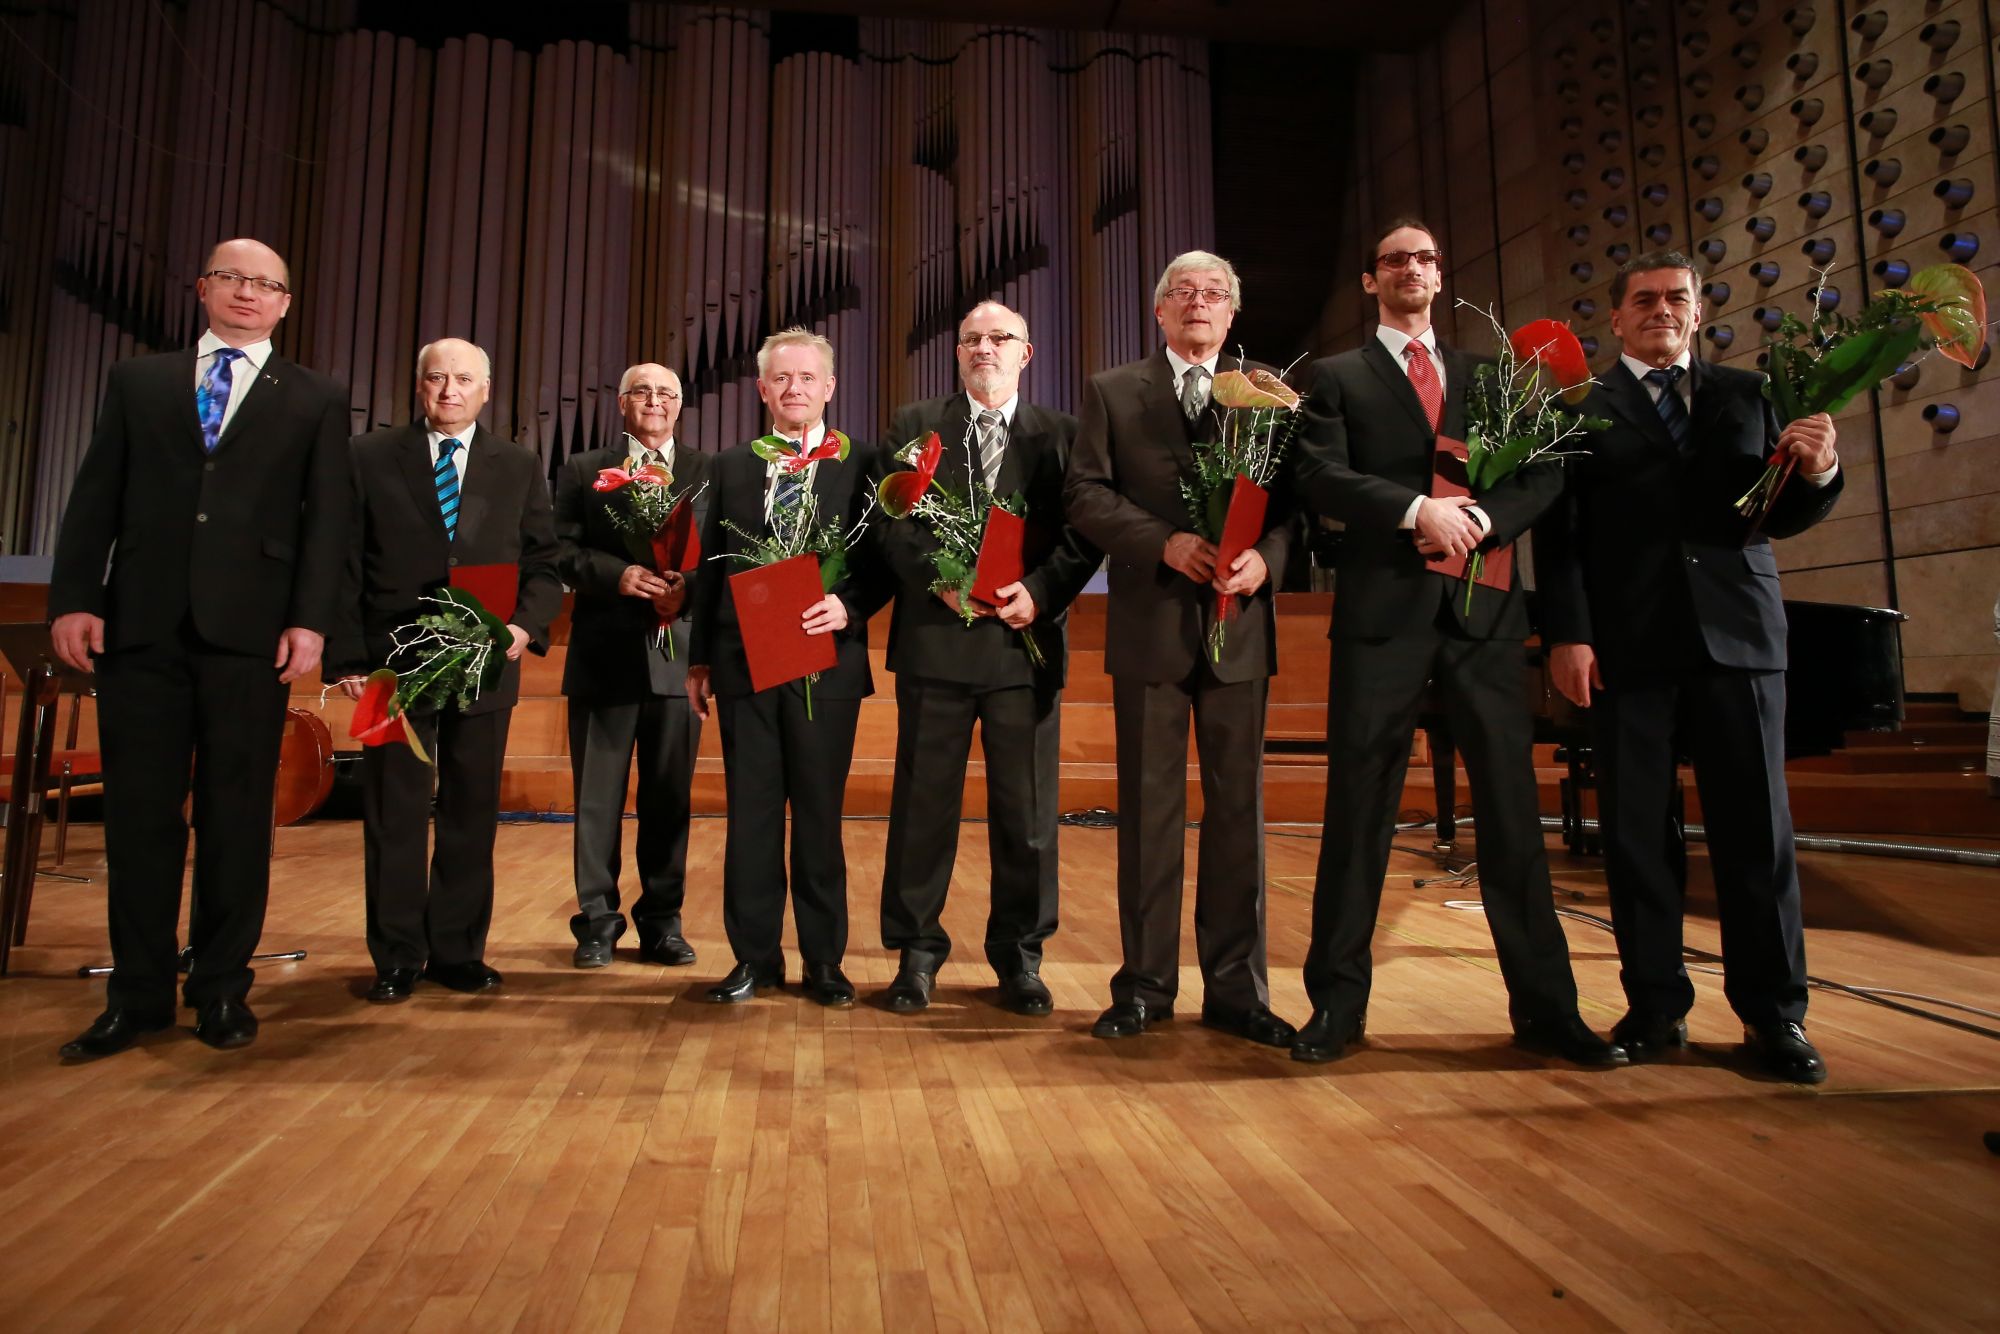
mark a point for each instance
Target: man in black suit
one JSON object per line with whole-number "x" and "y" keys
{"x": 625, "y": 676}
{"x": 1134, "y": 447}
{"x": 1364, "y": 457}
{"x": 433, "y": 496}
{"x": 774, "y": 752}
{"x": 215, "y": 487}
{"x": 1668, "y": 624}
{"x": 951, "y": 676}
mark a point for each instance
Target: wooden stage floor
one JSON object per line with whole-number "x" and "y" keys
{"x": 600, "y": 1150}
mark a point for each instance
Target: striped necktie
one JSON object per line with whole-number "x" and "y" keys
{"x": 211, "y": 396}
{"x": 992, "y": 444}
{"x": 445, "y": 477}
{"x": 1669, "y": 405}
{"x": 789, "y": 488}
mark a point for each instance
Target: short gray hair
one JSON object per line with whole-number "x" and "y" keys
{"x": 796, "y": 336}
{"x": 1199, "y": 259}
{"x": 424, "y": 354}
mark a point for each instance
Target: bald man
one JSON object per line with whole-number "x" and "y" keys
{"x": 215, "y": 488}
{"x": 431, "y": 496}
{"x": 626, "y": 678}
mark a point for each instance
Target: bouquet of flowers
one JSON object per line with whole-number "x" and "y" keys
{"x": 1511, "y": 413}
{"x": 959, "y": 520}
{"x": 457, "y": 649}
{"x": 1227, "y": 496}
{"x": 1824, "y": 365}
{"x": 657, "y": 523}
{"x": 796, "y": 527}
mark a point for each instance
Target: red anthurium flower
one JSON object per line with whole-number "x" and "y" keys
{"x": 900, "y": 491}
{"x": 378, "y": 715}
{"x": 1960, "y": 327}
{"x": 610, "y": 479}
{"x": 1551, "y": 346}
{"x": 652, "y": 474}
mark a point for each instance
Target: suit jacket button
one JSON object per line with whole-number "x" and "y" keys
{"x": 208, "y": 467}
{"x": 452, "y": 560}
{"x": 201, "y": 518}
{"x": 1694, "y": 560}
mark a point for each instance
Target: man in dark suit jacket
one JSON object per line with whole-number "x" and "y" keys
{"x": 1364, "y": 457}
{"x": 1668, "y": 624}
{"x": 433, "y": 496}
{"x": 951, "y": 676}
{"x": 1134, "y": 447}
{"x": 774, "y": 752}
{"x": 215, "y": 487}
{"x": 625, "y": 676}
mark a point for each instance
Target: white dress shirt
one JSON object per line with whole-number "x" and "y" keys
{"x": 1181, "y": 367}
{"x": 1398, "y": 344}
{"x": 1685, "y": 388}
{"x": 242, "y": 375}
{"x": 462, "y": 456}
{"x": 636, "y": 450}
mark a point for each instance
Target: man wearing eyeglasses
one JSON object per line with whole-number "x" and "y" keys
{"x": 1364, "y": 457}
{"x": 951, "y": 676}
{"x": 1134, "y": 447}
{"x": 216, "y": 488}
{"x": 626, "y": 678}
{"x": 436, "y": 494}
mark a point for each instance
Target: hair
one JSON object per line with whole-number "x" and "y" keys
{"x": 625, "y": 380}
{"x": 1647, "y": 263}
{"x": 424, "y": 354}
{"x": 999, "y": 305}
{"x": 1388, "y": 229}
{"x": 793, "y": 337}
{"x": 1199, "y": 259}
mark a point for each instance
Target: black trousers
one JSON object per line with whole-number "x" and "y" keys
{"x": 602, "y": 736}
{"x": 435, "y": 913}
{"x": 1375, "y": 691}
{"x": 1151, "y": 722}
{"x": 1730, "y": 724}
{"x": 773, "y": 756}
{"x": 172, "y": 715}
{"x": 1019, "y": 732}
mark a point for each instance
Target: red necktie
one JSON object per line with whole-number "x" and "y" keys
{"x": 1424, "y": 379}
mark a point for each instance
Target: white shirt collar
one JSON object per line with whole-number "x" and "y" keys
{"x": 256, "y": 353}
{"x": 464, "y": 437}
{"x": 1639, "y": 369}
{"x": 635, "y": 447}
{"x": 1006, "y": 409}
{"x": 1399, "y": 342}
{"x": 1180, "y": 365}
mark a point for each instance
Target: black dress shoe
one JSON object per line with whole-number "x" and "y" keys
{"x": 1570, "y": 1038}
{"x": 591, "y": 954}
{"x": 1648, "y": 1039}
{"x": 1782, "y": 1050}
{"x": 743, "y": 983}
{"x": 1326, "y": 1039}
{"x": 112, "y": 1032}
{"x": 910, "y": 992}
{"x": 226, "y": 1025}
{"x": 1026, "y": 993}
{"x": 1256, "y": 1024}
{"x": 826, "y": 984}
{"x": 1128, "y": 1019}
{"x": 668, "y": 951}
{"x": 470, "y": 976}
{"x": 392, "y": 985}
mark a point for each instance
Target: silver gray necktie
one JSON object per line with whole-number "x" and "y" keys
{"x": 992, "y": 443}
{"x": 1194, "y": 391}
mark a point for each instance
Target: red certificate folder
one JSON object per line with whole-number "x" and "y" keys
{"x": 771, "y": 601}
{"x": 677, "y": 546}
{"x": 1243, "y": 525}
{"x": 1448, "y": 478}
{"x": 497, "y": 587}
{"x": 1002, "y": 556}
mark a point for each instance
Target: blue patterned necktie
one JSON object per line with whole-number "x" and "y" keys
{"x": 211, "y": 396}
{"x": 789, "y": 487}
{"x": 445, "y": 475}
{"x": 1669, "y": 405}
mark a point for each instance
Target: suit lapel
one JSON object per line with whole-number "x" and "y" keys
{"x": 960, "y": 452}
{"x": 1629, "y": 399}
{"x": 1397, "y": 382}
{"x": 1024, "y": 440}
{"x": 1458, "y": 371}
{"x": 182, "y": 394}
{"x": 413, "y": 459}
{"x": 1706, "y": 402}
{"x": 1160, "y": 407}
{"x": 476, "y": 488}
{"x": 256, "y": 405}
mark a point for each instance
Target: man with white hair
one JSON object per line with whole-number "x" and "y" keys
{"x": 1133, "y": 450}
{"x": 432, "y": 496}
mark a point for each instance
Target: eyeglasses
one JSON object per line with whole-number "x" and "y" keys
{"x": 646, "y": 394}
{"x": 970, "y": 342}
{"x": 262, "y": 286}
{"x": 1213, "y": 296}
{"x": 1396, "y": 259}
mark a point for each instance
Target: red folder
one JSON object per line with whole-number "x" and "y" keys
{"x": 1002, "y": 556}
{"x": 1243, "y": 526}
{"x": 497, "y": 587}
{"x": 771, "y": 601}
{"x": 677, "y": 546}
{"x": 1448, "y": 479}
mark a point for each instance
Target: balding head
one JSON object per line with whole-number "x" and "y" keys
{"x": 649, "y": 399}
{"x": 246, "y": 289}
{"x": 454, "y": 378}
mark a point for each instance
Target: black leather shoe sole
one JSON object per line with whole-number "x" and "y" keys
{"x": 905, "y": 1000}
{"x": 592, "y": 954}
{"x": 833, "y": 998}
{"x": 1655, "y": 1044}
{"x": 1124, "y": 1022}
{"x": 1266, "y": 1030}
{"x": 388, "y": 991}
{"x": 1032, "y": 1005}
{"x": 668, "y": 954}
{"x": 90, "y": 1045}
{"x": 1596, "y": 1056}
{"x": 227, "y": 1034}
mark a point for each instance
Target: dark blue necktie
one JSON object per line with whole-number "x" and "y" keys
{"x": 790, "y": 486}
{"x": 445, "y": 475}
{"x": 1672, "y": 411}
{"x": 211, "y": 396}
